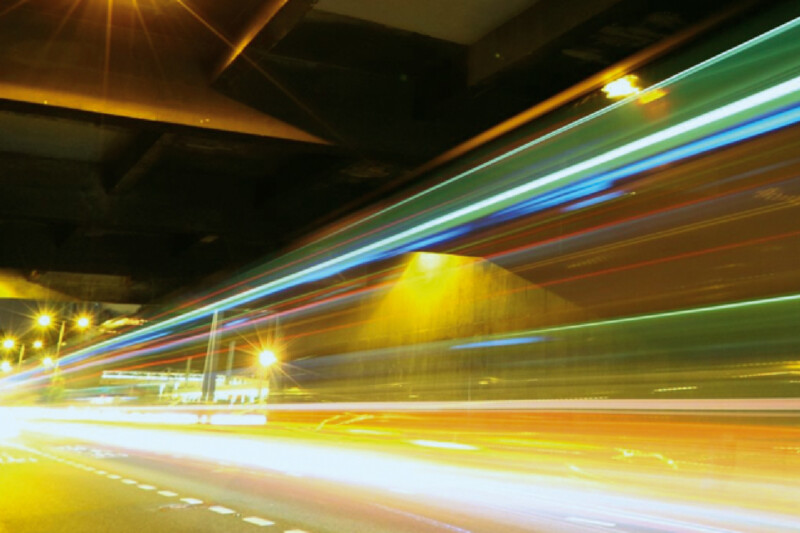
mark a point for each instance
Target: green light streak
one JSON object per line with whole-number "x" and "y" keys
{"x": 664, "y": 314}
{"x": 686, "y": 131}
{"x": 576, "y": 123}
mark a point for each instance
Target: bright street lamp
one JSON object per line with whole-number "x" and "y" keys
{"x": 38, "y": 344}
{"x": 44, "y": 320}
{"x": 5, "y": 366}
{"x": 83, "y": 322}
{"x": 8, "y": 343}
{"x": 267, "y": 358}
{"x": 48, "y": 362}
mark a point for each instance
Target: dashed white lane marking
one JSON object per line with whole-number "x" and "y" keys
{"x": 256, "y": 521}
{"x": 579, "y": 520}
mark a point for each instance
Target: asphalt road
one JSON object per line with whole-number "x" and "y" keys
{"x": 715, "y": 473}
{"x": 61, "y": 485}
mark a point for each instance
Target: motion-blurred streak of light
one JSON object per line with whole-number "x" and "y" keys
{"x": 513, "y": 341}
{"x": 516, "y": 496}
{"x": 491, "y": 343}
{"x": 666, "y": 314}
{"x": 667, "y": 259}
{"x": 705, "y": 119}
{"x": 195, "y": 335}
{"x": 617, "y": 224}
{"x": 440, "y": 348}
{"x": 659, "y": 87}
{"x": 596, "y": 200}
{"x": 743, "y": 109}
{"x": 733, "y": 135}
{"x": 718, "y": 114}
{"x": 472, "y": 248}
{"x": 199, "y": 333}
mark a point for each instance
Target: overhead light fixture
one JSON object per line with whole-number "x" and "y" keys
{"x": 622, "y": 87}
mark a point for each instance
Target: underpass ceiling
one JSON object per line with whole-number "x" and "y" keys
{"x": 159, "y": 142}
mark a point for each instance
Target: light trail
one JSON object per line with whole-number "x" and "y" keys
{"x": 470, "y": 213}
{"x": 571, "y": 471}
{"x": 699, "y": 134}
{"x": 309, "y": 253}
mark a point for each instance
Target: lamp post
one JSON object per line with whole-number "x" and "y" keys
{"x": 266, "y": 358}
{"x": 45, "y": 320}
{"x": 60, "y": 338}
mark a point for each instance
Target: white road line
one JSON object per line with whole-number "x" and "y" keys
{"x": 167, "y": 493}
{"x": 113, "y": 476}
{"x": 579, "y": 520}
{"x": 100, "y": 472}
{"x": 295, "y": 531}
{"x": 256, "y": 521}
{"x": 192, "y": 501}
{"x": 146, "y": 487}
{"x": 221, "y": 510}
{"x": 129, "y": 481}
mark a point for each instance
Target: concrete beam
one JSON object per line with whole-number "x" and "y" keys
{"x": 156, "y": 79}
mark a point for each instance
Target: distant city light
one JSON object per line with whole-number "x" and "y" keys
{"x": 622, "y": 87}
{"x": 38, "y": 344}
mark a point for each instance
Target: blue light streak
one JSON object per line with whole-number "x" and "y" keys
{"x": 499, "y": 342}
